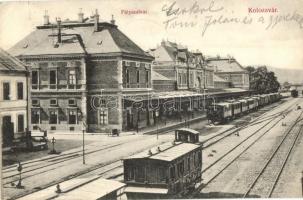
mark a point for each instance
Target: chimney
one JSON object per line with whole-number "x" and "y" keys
{"x": 46, "y": 18}
{"x": 80, "y": 16}
{"x": 113, "y": 21}
{"x": 96, "y": 21}
{"x": 59, "y": 29}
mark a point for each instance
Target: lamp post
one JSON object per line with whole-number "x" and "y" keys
{"x": 53, "y": 141}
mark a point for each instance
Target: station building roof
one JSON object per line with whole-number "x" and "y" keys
{"x": 168, "y": 151}
{"x": 77, "y": 38}
{"x": 225, "y": 65}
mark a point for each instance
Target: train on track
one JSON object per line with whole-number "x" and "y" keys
{"x": 230, "y": 109}
{"x": 167, "y": 171}
{"x": 294, "y": 93}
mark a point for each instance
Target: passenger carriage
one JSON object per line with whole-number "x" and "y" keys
{"x": 244, "y": 105}
{"x": 235, "y": 108}
{"x": 250, "y": 103}
{"x": 256, "y": 101}
{"x": 167, "y": 171}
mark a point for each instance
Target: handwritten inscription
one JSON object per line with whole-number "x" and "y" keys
{"x": 212, "y": 14}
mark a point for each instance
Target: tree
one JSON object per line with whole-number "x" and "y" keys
{"x": 286, "y": 85}
{"x": 262, "y": 80}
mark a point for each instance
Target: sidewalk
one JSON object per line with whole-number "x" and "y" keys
{"x": 147, "y": 130}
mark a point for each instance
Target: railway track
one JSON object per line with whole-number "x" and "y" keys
{"x": 219, "y": 137}
{"x": 266, "y": 180}
{"x": 61, "y": 158}
{"x": 228, "y": 162}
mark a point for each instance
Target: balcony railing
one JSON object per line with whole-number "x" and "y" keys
{"x": 57, "y": 86}
{"x": 136, "y": 85}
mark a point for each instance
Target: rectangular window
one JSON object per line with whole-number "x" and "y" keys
{"x": 103, "y": 118}
{"x": 20, "y": 123}
{"x": 72, "y": 117}
{"x": 127, "y": 63}
{"x": 172, "y": 172}
{"x": 140, "y": 172}
{"x": 20, "y": 90}
{"x": 53, "y": 79}
{"x": 71, "y": 102}
{"x": 35, "y": 80}
{"x": 162, "y": 174}
{"x": 138, "y": 76}
{"x": 35, "y": 102}
{"x": 53, "y": 102}
{"x": 127, "y": 76}
{"x": 35, "y": 117}
{"x": 72, "y": 79}
{"x": 180, "y": 79}
{"x": 131, "y": 173}
{"x": 147, "y": 76}
{"x": 6, "y": 91}
{"x": 180, "y": 167}
{"x": 53, "y": 117}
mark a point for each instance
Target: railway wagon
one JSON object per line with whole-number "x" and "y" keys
{"x": 294, "y": 93}
{"x": 187, "y": 135}
{"x": 251, "y": 104}
{"x": 235, "y": 107}
{"x": 167, "y": 171}
{"x": 88, "y": 188}
{"x": 244, "y": 106}
{"x": 257, "y": 102}
{"x": 219, "y": 112}
{"x": 262, "y": 100}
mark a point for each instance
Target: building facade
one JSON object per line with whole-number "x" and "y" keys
{"x": 81, "y": 72}
{"x": 230, "y": 70}
{"x": 13, "y": 98}
{"x": 188, "y": 70}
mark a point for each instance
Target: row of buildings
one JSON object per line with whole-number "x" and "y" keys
{"x": 87, "y": 74}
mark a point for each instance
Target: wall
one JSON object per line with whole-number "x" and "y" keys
{"x": 13, "y": 107}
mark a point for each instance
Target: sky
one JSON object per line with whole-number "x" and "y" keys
{"x": 214, "y": 27}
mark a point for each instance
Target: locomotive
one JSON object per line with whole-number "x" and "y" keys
{"x": 230, "y": 109}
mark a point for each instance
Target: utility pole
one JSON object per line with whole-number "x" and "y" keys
{"x": 83, "y": 146}
{"x": 83, "y": 141}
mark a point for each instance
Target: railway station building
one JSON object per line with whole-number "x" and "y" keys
{"x": 231, "y": 70}
{"x": 81, "y": 71}
{"x": 86, "y": 74}
{"x": 13, "y": 98}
